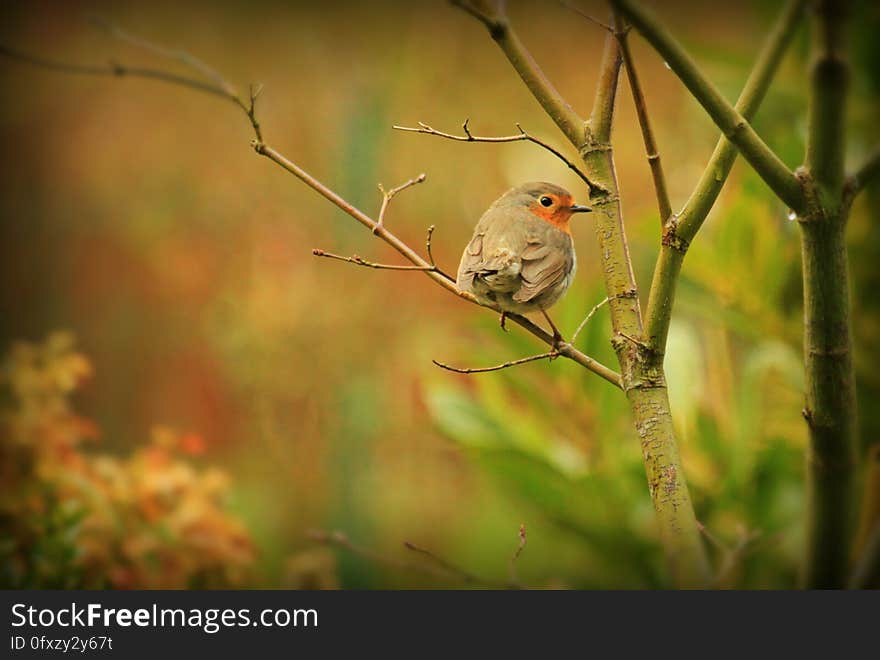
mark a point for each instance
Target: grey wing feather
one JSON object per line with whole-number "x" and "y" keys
{"x": 543, "y": 268}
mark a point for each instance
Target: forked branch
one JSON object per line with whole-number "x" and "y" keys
{"x": 735, "y": 127}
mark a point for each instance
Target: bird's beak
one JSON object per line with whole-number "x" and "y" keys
{"x": 578, "y": 208}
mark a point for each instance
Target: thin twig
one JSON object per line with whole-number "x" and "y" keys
{"x": 522, "y": 136}
{"x": 388, "y": 195}
{"x": 181, "y": 56}
{"x": 187, "y": 59}
{"x": 113, "y": 69}
{"x": 514, "y": 578}
{"x": 341, "y": 540}
{"x": 428, "y": 245}
{"x": 653, "y": 154}
{"x": 549, "y": 355}
{"x": 586, "y": 319}
{"x": 735, "y": 555}
{"x": 589, "y": 17}
{"x": 447, "y": 566}
{"x": 354, "y": 259}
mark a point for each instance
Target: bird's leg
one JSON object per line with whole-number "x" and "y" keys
{"x": 503, "y": 320}
{"x": 557, "y": 336}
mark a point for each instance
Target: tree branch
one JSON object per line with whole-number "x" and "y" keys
{"x": 113, "y": 69}
{"x": 388, "y": 195}
{"x": 735, "y": 127}
{"x": 829, "y": 381}
{"x": 829, "y": 80}
{"x": 542, "y": 89}
{"x": 452, "y": 569}
{"x": 550, "y": 355}
{"x": 681, "y": 229}
{"x": 602, "y": 116}
{"x": 587, "y": 319}
{"x": 621, "y": 31}
{"x": 354, "y": 259}
{"x": 520, "y": 137}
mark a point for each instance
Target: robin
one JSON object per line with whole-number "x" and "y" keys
{"x": 521, "y": 257}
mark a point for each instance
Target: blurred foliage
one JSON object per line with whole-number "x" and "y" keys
{"x": 77, "y": 518}
{"x": 138, "y": 216}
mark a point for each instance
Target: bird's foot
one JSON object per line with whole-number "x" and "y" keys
{"x": 502, "y": 321}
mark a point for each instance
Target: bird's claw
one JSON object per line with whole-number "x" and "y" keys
{"x": 503, "y": 321}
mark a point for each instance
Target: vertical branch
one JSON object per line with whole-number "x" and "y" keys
{"x": 830, "y": 410}
{"x": 653, "y": 154}
{"x": 643, "y": 378}
{"x": 829, "y": 79}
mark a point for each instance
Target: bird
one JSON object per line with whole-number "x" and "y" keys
{"x": 521, "y": 257}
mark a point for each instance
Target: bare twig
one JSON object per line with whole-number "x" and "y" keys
{"x": 341, "y": 540}
{"x": 735, "y": 555}
{"x": 113, "y": 69}
{"x": 354, "y": 259}
{"x": 549, "y": 355}
{"x": 428, "y": 245}
{"x": 589, "y": 17}
{"x": 514, "y": 578}
{"x": 522, "y": 136}
{"x": 181, "y": 56}
{"x": 447, "y": 566}
{"x": 587, "y": 319}
{"x": 388, "y": 195}
{"x": 187, "y": 59}
{"x": 653, "y": 154}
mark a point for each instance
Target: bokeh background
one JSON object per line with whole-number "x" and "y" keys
{"x": 190, "y": 398}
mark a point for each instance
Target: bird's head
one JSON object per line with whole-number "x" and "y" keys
{"x": 548, "y": 201}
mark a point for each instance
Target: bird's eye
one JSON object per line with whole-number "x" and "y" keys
{"x": 546, "y": 201}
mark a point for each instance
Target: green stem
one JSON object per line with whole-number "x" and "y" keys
{"x": 829, "y": 80}
{"x": 679, "y": 233}
{"x": 830, "y": 383}
{"x": 830, "y": 402}
{"x": 734, "y": 126}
